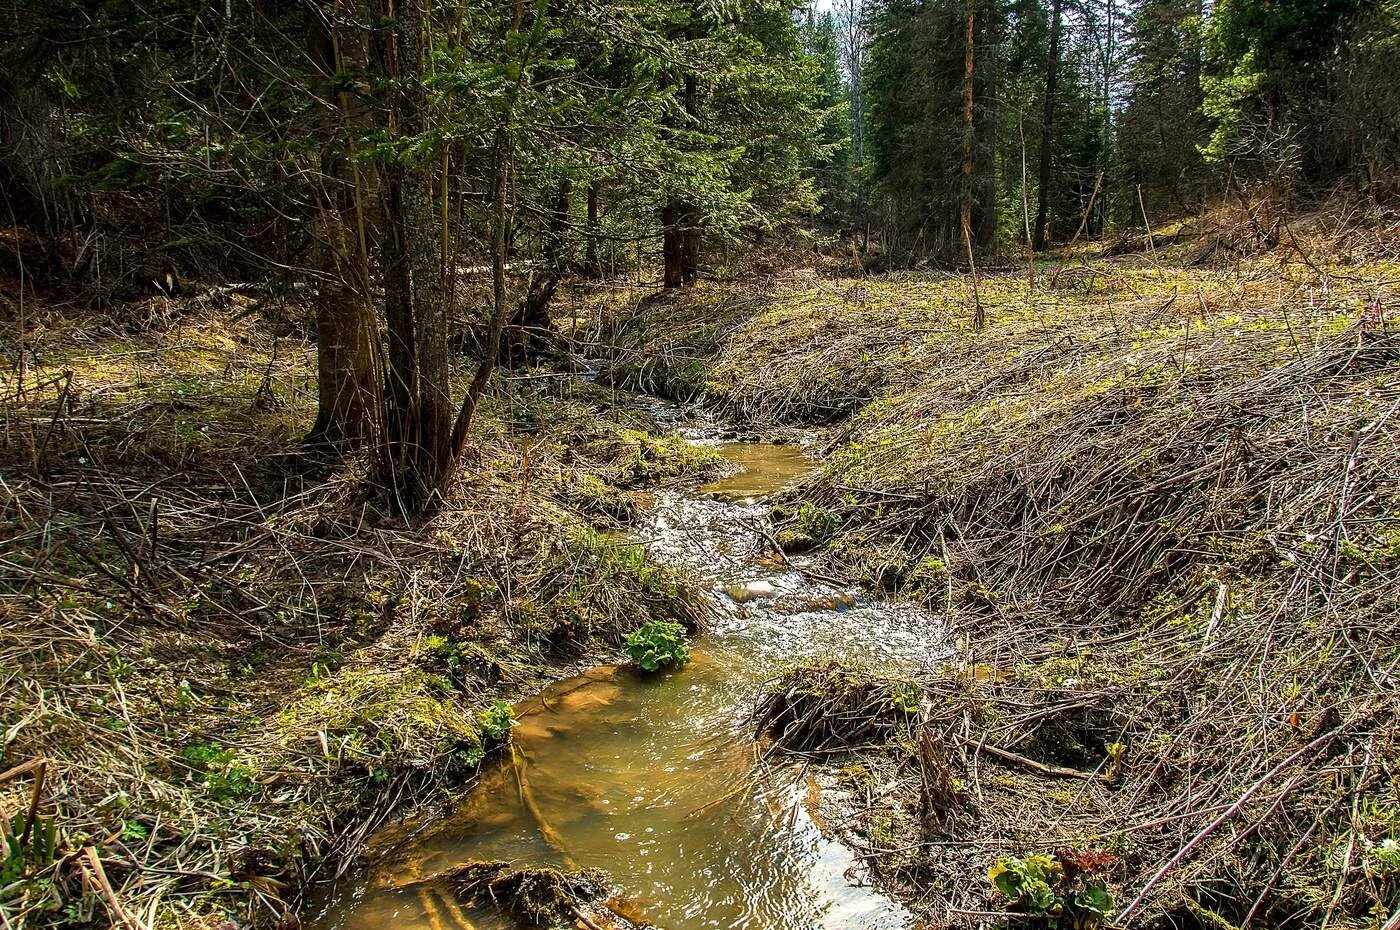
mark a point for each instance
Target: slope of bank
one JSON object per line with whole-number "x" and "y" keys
{"x": 1161, "y": 504}
{"x": 221, "y": 662}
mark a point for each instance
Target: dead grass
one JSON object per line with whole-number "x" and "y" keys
{"x": 232, "y": 661}
{"x": 1160, "y": 503}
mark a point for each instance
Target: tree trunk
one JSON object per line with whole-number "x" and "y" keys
{"x": 978, "y": 317}
{"x": 416, "y": 254}
{"x": 690, "y": 218}
{"x": 348, "y": 386}
{"x": 672, "y": 245}
{"x": 986, "y": 126}
{"x": 427, "y": 263}
{"x": 1047, "y": 129}
{"x": 680, "y": 217}
{"x": 690, "y": 242}
{"x": 968, "y": 133}
{"x": 503, "y": 155}
{"x": 591, "y": 267}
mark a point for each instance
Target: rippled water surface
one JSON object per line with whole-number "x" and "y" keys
{"x": 655, "y": 780}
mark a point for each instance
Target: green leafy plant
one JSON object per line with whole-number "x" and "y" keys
{"x": 223, "y": 775}
{"x": 816, "y": 522}
{"x": 449, "y": 656}
{"x": 1061, "y": 891}
{"x": 658, "y": 644}
{"x": 495, "y": 721}
{"x": 1385, "y": 858}
{"x": 25, "y": 847}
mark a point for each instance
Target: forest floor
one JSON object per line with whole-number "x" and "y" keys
{"x": 232, "y": 661}
{"x": 1159, "y": 500}
{"x": 1158, "y": 497}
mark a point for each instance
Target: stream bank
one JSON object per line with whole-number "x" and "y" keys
{"x": 657, "y": 780}
{"x": 1157, "y": 504}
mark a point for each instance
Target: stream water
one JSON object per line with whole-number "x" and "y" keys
{"x": 657, "y": 780}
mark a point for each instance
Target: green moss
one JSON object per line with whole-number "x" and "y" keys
{"x": 660, "y": 457}
{"x": 594, "y": 497}
{"x": 375, "y": 723}
{"x": 794, "y": 541}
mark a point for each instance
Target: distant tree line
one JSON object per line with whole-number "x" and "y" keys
{"x": 1088, "y": 115}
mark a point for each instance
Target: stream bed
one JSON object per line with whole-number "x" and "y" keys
{"x": 658, "y": 780}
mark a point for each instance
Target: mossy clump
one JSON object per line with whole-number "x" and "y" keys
{"x": 882, "y": 566}
{"x": 802, "y": 525}
{"x": 378, "y": 723}
{"x": 824, "y": 705}
{"x": 595, "y": 498}
{"x": 460, "y": 661}
{"x": 647, "y": 458}
{"x": 542, "y": 898}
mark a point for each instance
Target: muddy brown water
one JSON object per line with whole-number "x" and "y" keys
{"x": 657, "y": 780}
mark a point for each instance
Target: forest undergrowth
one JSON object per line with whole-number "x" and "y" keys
{"x": 1158, "y": 496}
{"x": 223, "y": 661}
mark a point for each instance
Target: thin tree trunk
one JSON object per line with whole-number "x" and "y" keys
{"x": 416, "y": 247}
{"x": 591, "y": 267}
{"x": 680, "y": 218}
{"x": 968, "y": 134}
{"x": 1047, "y": 130}
{"x": 690, "y": 218}
{"x": 348, "y": 383}
{"x": 986, "y": 127}
{"x": 427, "y": 261}
{"x": 500, "y": 221}
{"x": 401, "y": 375}
{"x": 672, "y": 245}
{"x": 978, "y": 315}
{"x": 531, "y": 328}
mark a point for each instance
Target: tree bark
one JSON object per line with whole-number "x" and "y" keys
{"x": 690, "y": 218}
{"x": 680, "y": 217}
{"x": 968, "y": 132}
{"x": 986, "y": 126}
{"x": 591, "y": 267}
{"x": 672, "y": 245}
{"x": 427, "y": 263}
{"x": 500, "y": 233}
{"x": 348, "y": 385}
{"x": 1047, "y": 129}
{"x": 416, "y": 255}
{"x": 978, "y": 318}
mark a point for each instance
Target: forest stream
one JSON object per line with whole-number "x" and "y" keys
{"x": 658, "y": 780}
